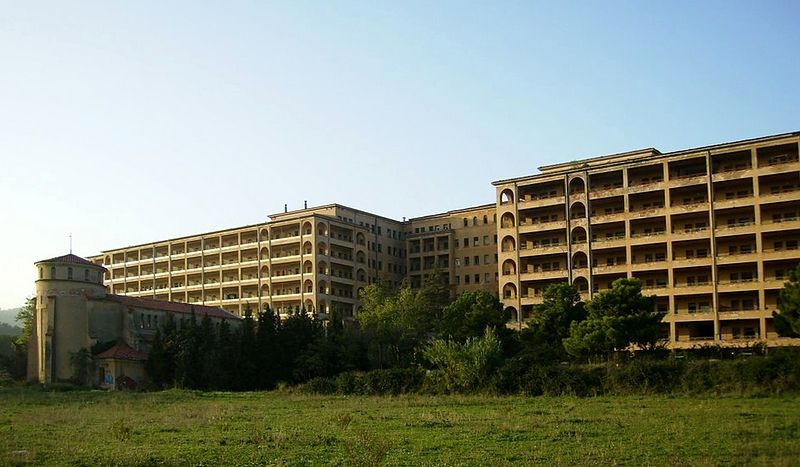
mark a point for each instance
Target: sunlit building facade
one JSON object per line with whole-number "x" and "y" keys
{"x": 711, "y": 231}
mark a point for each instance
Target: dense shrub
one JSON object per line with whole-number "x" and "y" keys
{"x": 393, "y": 381}
{"x": 320, "y": 385}
{"x": 644, "y": 376}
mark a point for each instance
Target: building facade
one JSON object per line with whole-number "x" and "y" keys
{"x": 314, "y": 259}
{"x": 460, "y": 244}
{"x": 75, "y": 312}
{"x": 711, "y": 231}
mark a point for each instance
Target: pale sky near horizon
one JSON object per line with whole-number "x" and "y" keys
{"x": 130, "y": 122}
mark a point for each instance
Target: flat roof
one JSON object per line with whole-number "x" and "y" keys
{"x": 624, "y": 157}
{"x": 328, "y": 206}
{"x": 452, "y": 212}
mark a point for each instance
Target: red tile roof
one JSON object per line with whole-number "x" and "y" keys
{"x": 174, "y": 307}
{"x": 122, "y": 351}
{"x": 72, "y": 259}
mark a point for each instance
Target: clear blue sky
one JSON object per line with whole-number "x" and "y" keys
{"x": 128, "y": 122}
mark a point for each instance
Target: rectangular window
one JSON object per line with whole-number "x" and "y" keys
{"x": 466, "y": 242}
{"x": 477, "y": 278}
{"x": 477, "y": 260}
{"x": 476, "y": 241}
{"x": 466, "y": 278}
{"x": 485, "y": 239}
{"x": 485, "y": 259}
{"x": 466, "y": 261}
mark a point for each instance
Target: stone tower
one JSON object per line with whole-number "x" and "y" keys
{"x": 61, "y": 321}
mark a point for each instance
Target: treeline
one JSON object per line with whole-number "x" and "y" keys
{"x": 257, "y": 354}
{"x": 424, "y": 341}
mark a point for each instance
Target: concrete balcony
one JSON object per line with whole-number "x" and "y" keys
{"x": 734, "y": 203}
{"x": 530, "y": 202}
{"x": 736, "y": 229}
{"x": 646, "y": 213}
{"x": 607, "y": 192}
{"x": 542, "y": 226}
{"x": 790, "y": 165}
{"x": 542, "y": 275}
{"x": 606, "y": 218}
{"x": 603, "y": 243}
{"x": 645, "y": 187}
{"x": 289, "y": 258}
{"x": 689, "y": 208}
{"x": 737, "y": 286}
{"x": 693, "y": 289}
{"x": 285, "y": 241}
{"x": 772, "y": 283}
{"x": 540, "y": 250}
{"x": 687, "y": 180}
{"x": 285, "y": 278}
{"x": 610, "y": 269}
{"x": 684, "y": 262}
{"x": 768, "y": 225}
{"x": 649, "y": 238}
{"x": 649, "y": 265}
{"x": 727, "y": 258}
{"x": 691, "y": 234}
{"x": 733, "y": 175}
{"x": 770, "y": 254}
{"x": 753, "y": 313}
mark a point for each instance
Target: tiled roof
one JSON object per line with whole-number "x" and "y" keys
{"x": 70, "y": 258}
{"x": 174, "y": 307}
{"x": 122, "y": 351}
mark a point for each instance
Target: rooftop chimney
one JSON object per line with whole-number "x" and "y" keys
{"x": 305, "y": 204}
{"x": 285, "y": 208}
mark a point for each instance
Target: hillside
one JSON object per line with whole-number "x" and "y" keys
{"x": 8, "y": 330}
{"x": 7, "y": 316}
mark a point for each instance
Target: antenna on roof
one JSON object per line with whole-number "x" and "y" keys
{"x": 305, "y": 204}
{"x": 70, "y": 243}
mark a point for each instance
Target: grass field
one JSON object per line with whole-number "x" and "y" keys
{"x": 278, "y": 428}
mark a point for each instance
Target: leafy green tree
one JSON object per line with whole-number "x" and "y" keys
{"x": 616, "y": 319}
{"x": 470, "y": 314}
{"x": 550, "y": 323}
{"x": 787, "y": 318}
{"x": 17, "y": 365}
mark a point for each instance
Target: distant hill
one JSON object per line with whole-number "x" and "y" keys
{"x": 7, "y": 316}
{"x": 8, "y": 330}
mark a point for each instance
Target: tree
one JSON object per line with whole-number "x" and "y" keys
{"x": 17, "y": 364}
{"x": 267, "y": 349}
{"x": 550, "y": 323}
{"x": 787, "y": 318}
{"x": 470, "y": 314}
{"x": 616, "y": 319}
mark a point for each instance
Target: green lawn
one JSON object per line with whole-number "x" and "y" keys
{"x": 176, "y": 427}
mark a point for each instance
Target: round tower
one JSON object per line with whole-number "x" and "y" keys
{"x": 63, "y": 288}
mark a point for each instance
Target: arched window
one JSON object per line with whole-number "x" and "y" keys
{"x": 86, "y": 275}
{"x": 52, "y": 272}
{"x": 485, "y": 219}
{"x": 466, "y": 222}
{"x": 41, "y": 273}
{"x": 475, "y": 220}
{"x": 69, "y": 273}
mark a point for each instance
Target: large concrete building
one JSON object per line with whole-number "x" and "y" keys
{"x": 711, "y": 231}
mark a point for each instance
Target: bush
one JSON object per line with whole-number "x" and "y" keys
{"x": 393, "y": 381}
{"x": 644, "y": 377}
{"x": 465, "y": 367}
{"x": 350, "y": 382}
{"x": 320, "y": 385}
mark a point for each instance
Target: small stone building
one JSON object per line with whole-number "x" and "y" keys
{"x": 74, "y": 312}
